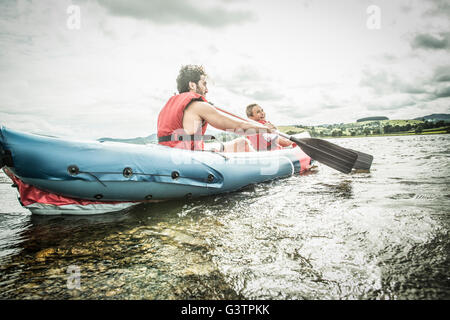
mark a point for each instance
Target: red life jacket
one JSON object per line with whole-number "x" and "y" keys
{"x": 170, "y": 121}
{"x": 261, "y": 143}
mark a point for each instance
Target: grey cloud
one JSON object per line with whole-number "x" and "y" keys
{"x": 443, "y": 78}
{"x": 262, "y": 94}
{"x": 391, "y": 105}
{"x": 10, "y": 112}
{"x": 427, "y": 41}
{"x": 177, "y": 12}
{"x": 388, "y": 58}
{"x": 293, "y": 112}
{"x": 385, "y": 83}
{"x": 442, "y": 93}
{"x": 249, "y": 82}
{"x": 442, "y": 74}
{"x": 247, "y": 74}
{"x": 440, "y": 7}
{"x": 330, "y": 106}
{"x": 375, "y": 80}
{"x": 407, "y": 88}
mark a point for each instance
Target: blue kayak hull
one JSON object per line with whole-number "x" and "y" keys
{"x": 110, "y": 171}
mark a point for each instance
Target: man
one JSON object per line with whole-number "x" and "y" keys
{"x": 264, "y": 141}
{"x": 183, "y": 120}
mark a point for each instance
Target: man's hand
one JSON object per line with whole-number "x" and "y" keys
{"x": 271, "y": 127}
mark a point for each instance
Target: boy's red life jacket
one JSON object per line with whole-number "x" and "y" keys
{"x": 170, "y": 123}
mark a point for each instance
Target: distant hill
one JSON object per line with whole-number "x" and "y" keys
{"x": 372, "y": 119}
{"x": 435, "y": 117}
{"x": 139, "y": 140}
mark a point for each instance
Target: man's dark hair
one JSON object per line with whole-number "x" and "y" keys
{"x": 189, "y": 73}
{"x": 249, "y": 109}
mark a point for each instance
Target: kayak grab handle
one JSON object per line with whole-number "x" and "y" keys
{"x": 73, "y": 170}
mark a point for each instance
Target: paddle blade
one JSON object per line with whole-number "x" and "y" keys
{"x": 330, "y": 154}
{"x": 364, "y": 160}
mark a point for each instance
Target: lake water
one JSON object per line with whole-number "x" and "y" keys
{"x": 324, "y": 235}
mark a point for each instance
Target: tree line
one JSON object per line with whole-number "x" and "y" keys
{"x": 418, "y": 128}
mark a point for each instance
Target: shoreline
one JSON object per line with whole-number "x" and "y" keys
{"x": 380, "y": 135}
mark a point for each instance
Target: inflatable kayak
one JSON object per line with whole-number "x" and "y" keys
{"x": 63, "y": 176}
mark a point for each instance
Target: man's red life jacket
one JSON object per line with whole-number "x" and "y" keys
{"x": 170, "y": 122}
{"x": 264, "y": 141}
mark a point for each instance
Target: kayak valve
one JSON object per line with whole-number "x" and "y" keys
{"x": 73, "y": 170}
{"x": 127, "y": 172}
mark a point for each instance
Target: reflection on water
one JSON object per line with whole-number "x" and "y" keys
{"x": 325, "y": 235}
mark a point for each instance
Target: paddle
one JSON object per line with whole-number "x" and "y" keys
{"x": 364, "y": 160}
{"x": 325, "y": 152}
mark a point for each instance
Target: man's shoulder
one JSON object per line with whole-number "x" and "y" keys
{"x": 200, "y": 105}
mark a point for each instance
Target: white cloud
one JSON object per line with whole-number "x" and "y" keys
{"x": 304, "y": 62}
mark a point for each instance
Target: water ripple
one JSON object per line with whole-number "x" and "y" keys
{"x": 376, "y": 235}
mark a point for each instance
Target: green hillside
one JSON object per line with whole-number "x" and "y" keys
{"x": 370, "y": 128}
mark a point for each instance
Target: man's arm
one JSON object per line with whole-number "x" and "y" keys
{"x": 284, "y": 142}
{"x": 281, "y": 141}
{"x": 198, "y": 111}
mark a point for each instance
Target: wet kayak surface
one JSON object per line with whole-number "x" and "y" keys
{"x": 323, "y": 235}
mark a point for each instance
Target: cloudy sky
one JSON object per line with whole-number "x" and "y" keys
{"x": 106, "y": 67}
